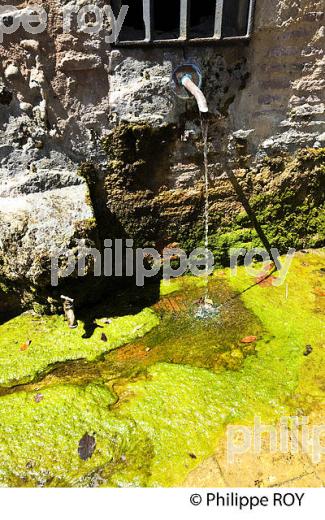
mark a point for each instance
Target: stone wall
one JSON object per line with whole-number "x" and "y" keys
{"x": 70, "y": 104}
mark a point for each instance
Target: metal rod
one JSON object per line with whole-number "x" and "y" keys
{"x": 184, "y": 19}
{"x": 185, "y": 5}
{"x": 190, "y": 41}
{"x": 250, "y": 18}
{"x": 250, "y": 212}
{"x": 148, "y": 18}
{"x": 218, "y": 19}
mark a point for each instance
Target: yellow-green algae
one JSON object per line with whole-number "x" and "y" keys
{"x": 53, "y": 342}
{"x": 184, "y": 409}
{"x": 176, "y": 284}
{"x": 180, "y": 403}
{"x": 39, "y": 440}
{"x": 294, "y": 313}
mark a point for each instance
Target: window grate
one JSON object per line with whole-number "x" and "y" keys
{"x": 232, "y": 21}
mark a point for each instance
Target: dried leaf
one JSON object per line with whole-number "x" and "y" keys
{"x": 319, "y": 291}
{"x": 87, "y": 445}
{"x": 268, "y": 267}
{"x": 248, "y": 339}
{"x": 38, "y": 398}
{"x": 24, "y": 346}
{"x": 265, "y": 280}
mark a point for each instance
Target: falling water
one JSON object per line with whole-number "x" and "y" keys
{"x": 205, "y": 130}
{"x": 207, "y": 309}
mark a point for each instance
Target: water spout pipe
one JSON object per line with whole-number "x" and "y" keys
{"x": 187, "y": 82}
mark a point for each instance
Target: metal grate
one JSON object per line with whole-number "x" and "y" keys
{"x": 185, "y": 34}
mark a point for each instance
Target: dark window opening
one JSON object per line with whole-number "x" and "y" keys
{"x": 133, "y": 27}
{"x": 235, "y": 17}
{"x": 202, "y": 17}
{"x": 173, "y": 21}
{"x": 166, "y": 19}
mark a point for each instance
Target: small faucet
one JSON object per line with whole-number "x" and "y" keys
{"x": 188, "y": 79}
{"x": 68, "y": 307}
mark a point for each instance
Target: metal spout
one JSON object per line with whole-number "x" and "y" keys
{"x": 187, "y": 82}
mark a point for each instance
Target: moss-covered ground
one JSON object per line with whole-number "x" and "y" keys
{"x": 52, "y": 342}
{"x": 158, "y": 405}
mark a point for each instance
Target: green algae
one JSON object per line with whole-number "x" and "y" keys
{"x": 129, "y": 150}
{"x": 176, "y": 386}
{"x": 243, "y": 237}
{"x": 53, "y": 342}
{"x": 289, "y": 204}
{"x": 294, "y": 314}
{"x": 180, "y": 338}
{"x": 169, "y": 287}
{"x": 184, "y": 409}
{"x": 39, "y": 440}
{"x": 176, "y": 284}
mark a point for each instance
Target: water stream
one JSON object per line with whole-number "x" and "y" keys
{"x": 205, "y": 131}
{"x": 207, "y": 308}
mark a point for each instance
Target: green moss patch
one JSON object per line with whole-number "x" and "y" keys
{"x": 168, "y": 413}
{"x": 184, "y": 410}
{"x": 287, "y": 196}
{"x": 53, "y": 342}
{"x": 177, "y": 284}
{"x": 40, "y": 435}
